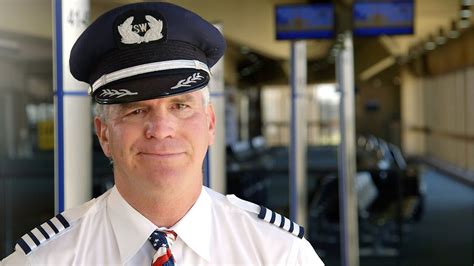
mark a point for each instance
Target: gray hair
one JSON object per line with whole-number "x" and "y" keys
{"x": 206, "y": 96}
{"x": 102, "y": 110}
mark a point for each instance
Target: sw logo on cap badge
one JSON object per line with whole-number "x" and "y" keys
{"x": 152, "y": 29}
{"x": 140, "y": 27}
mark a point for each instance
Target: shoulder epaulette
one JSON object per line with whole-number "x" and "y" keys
{"x": 42, "y": 233}
{"x": 281, "y": 221}
{"x": 268, "y": 216}
{"x": 56, "y": 225}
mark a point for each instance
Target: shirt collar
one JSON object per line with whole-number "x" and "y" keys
{"x": 130, "y": 227}
{"x": 195, "y": 227}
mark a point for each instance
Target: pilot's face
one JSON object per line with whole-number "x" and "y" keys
{"x": 159, "y": 142}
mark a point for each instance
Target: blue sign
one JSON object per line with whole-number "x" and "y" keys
{"x": 304, "y": 21}
{"x": 387, "y": 17}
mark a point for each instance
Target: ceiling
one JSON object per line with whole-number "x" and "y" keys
{"x": 247, "y": 24}
{"x": 251, "y": 23}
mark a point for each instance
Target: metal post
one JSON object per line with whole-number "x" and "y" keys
{"x": 73, "y": 132}
{"x": 347, "y": 154}
{"x": 217, "y": 165}
{"x": 298, "y": 205}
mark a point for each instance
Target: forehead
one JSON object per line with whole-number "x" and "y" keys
{"x": 190, "y": 97}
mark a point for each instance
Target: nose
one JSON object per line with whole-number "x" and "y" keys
{"x": 160, "y": 125}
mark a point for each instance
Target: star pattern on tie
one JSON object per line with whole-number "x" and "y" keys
{"x": 158, "y": 239}
{"x": 161, "y": 242}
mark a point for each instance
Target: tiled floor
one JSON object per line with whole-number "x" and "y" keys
{"x": 443, "y": 237}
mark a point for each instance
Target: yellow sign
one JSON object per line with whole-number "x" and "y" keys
{"x": 46, "y": 135}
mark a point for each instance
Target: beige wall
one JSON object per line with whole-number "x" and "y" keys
{"x": 32, "y": 18}
{"x": 385, "y": 122}
{"x": 438, "y": 116}
{"x": 412, "y": 113}
{"x": 469, "y": 98}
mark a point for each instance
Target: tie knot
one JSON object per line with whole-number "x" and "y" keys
{"x": 162, "y": 239}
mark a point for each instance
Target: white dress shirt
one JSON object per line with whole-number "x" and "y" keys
{"x": 217, "y": 230}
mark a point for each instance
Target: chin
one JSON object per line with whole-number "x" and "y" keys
{"x": 165, "y": 176}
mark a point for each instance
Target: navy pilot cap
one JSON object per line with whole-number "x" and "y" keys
{"x": 144, "y": 51}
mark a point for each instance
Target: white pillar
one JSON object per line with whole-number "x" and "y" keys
{"x": 217, "y": 152}
{"x": 73, "y": 131}
{"x": 298, "y": 193}
{"x": 347, "y": 154}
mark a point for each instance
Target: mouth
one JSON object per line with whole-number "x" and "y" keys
{"x": 161, "y": 155}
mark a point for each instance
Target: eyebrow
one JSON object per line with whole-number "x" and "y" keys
{"x": 183, "y": 98}
{"x": 130, "y": 105}
{"x": 174, "y": 99}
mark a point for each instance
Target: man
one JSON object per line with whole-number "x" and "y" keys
{"x": 148, "y": 67}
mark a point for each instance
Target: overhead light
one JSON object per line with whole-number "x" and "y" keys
{"x": 440, "y": 38}
{"x": 244, "y": 50}
{"x": 415, "y": 51}
{"x": 453, "y": 32}
{"x": 465, "y": 12}
{"x": 467, "y": 2}
{"x": 464, "y": 23}
{"x": 430, "y": 44}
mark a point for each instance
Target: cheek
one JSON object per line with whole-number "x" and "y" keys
{"x": 208, "y": 138}
{"x": 198, "y": 132}
{"x": 120, "y": 140}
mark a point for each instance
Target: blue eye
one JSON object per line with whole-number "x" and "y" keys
{"x": 181, "y": 106}
{"x": 137, "y": 111}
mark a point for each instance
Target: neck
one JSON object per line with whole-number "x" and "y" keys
{"x": 162, "y": 206}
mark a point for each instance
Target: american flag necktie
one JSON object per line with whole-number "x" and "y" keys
{"x": 162, "y": 241}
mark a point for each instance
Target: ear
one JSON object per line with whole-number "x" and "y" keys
{"x": 102, "y": 132}
{"x": 211, "y": 122}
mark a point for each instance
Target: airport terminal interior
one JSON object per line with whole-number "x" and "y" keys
{"x": 412, "y": 117}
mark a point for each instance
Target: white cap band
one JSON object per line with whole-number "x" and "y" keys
{"x": 147, "y": 68}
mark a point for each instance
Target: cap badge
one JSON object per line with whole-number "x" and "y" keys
{"x": 130, "y": 32}
{"x": 117, "y": 93}
{"x": 187, "y": 82}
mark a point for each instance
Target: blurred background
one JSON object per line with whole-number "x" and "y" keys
{"x": 414, "y": 124}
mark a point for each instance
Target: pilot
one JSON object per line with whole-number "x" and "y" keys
{"x": 148, "y": 67}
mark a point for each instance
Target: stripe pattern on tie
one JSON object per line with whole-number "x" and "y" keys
{"x": 281, "y": 221}
{"x": 162, "y": 242}
{"x": 42, "y": 233}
